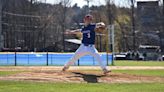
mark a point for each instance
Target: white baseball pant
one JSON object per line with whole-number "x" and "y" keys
{"x": 86, "y": 50}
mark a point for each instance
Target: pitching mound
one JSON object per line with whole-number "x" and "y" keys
{"x": 79, "y": 77}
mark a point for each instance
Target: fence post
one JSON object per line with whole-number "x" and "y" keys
{"x": 111, "y": 41}
{"x": 51, "y": 60}
{"x": 28, "y": 59}
{"x": 78, "y": 62}
{"x": 107, "y": 59}
{"x": 15, "y": 58}
{"x": 7, "y": 58}
{"x": 93, "y": 60}
{"x": 47, "y": 58}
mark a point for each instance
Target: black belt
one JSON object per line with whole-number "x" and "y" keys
{"x": 90, "y": 45}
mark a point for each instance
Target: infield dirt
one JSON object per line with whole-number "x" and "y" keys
{"x": 77, "y": 75}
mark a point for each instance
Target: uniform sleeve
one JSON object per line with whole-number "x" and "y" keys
{"x": 81, "y": 29}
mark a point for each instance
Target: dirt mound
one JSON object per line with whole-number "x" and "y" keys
{"x": 80, "y": 77}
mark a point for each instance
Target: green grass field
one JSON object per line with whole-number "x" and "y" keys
{"x": 15, "y": 86}
{"x": 5, "y": 73}
{"x": 138, "y": 63}
{"x": 158, "y": 73}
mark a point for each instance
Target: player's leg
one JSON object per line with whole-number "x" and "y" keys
{"x": 96, "y": 55}
{"x": 81, "y": 51}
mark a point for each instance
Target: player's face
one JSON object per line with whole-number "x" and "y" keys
{"x": 87, "y": 19}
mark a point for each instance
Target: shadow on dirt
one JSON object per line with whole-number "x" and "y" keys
{"x": 89, "y": 78}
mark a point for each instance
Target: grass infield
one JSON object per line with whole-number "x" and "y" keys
{"x": 6, "y": 73}
{"x": 18, "y": 86}
{"x": 138, "y": 63}
{"x": 157, "y": 73}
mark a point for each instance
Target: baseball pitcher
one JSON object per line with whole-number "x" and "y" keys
{"x": 87, "y": 47}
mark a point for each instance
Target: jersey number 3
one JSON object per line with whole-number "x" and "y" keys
{"x": 88, "y": 35}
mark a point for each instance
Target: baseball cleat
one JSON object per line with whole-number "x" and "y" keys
{"x": 105, "y": 71}
{"x": 64, "y": 69}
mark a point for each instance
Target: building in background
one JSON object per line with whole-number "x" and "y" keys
{"x": 149, "y": 21}
{"x": 148, "y": 14}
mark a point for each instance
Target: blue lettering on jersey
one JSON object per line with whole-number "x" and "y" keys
{"x": 88, "y": 34}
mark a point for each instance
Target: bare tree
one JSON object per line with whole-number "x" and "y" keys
{"x": 88, "y": 2}
{"x": 133, "y": 23}
{"x": 162, "y": 45}
{"x": 62, "y": 15}
{"x": 1, "y": 40}
{"x": 110, "y": 11}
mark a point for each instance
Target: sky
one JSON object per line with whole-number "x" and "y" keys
{"x": 94, "y": 2}
{"x": 81, "y": 3}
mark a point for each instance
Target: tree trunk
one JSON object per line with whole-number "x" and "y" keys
{"x": 1, "y": 38}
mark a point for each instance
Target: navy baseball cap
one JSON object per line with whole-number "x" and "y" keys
{"x": 88, "y": 16}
